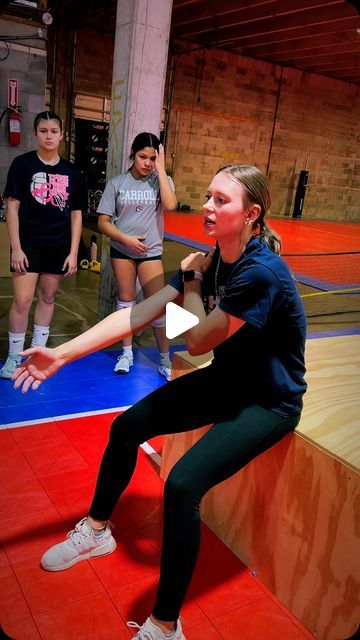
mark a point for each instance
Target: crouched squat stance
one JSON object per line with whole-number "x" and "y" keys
{"x": 251, "y": 315}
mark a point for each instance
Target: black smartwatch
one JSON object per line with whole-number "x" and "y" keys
{"x": 189, "y": 276}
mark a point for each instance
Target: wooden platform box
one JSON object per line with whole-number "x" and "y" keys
{"x": 293, "y": 514}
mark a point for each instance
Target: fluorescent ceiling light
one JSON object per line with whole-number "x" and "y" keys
{"x": 26, "y": 3}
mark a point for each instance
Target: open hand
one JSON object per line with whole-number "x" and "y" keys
{"x": 19, "y": 261}
{"x": 70, "y": 265}
{"x": 41, "y": 363}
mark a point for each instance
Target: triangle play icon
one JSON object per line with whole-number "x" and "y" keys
{"x": 178, "y": 320}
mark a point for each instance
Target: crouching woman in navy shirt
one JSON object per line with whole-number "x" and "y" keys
{"x": 251, "y": 315}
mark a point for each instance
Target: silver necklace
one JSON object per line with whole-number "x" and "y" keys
{"x": 216, "y": 275}
{"x": 219, "y": 290}
{"x": 213, "y": 300}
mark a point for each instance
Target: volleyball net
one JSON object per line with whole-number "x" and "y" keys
{"x": 329, "y": 283}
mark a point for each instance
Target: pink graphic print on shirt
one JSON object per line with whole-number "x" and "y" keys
{"x": 50, "y": 188}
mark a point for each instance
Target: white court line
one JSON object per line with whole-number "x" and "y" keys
{"x": 312, "y": 226}
{"x": 68, "y": 416}
{"x": 151, "y": 452}
{"x": 25, "y": 423}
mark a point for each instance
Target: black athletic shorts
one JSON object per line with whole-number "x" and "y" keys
{"x": 46, "y": 259}
{"x": 114, "y": 253}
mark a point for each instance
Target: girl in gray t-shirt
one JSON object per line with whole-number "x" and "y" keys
{"x": 131, "y": 215}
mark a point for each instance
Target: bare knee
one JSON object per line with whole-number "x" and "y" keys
{"x": 46, "y": 296}
{"x": 21, "y": 305}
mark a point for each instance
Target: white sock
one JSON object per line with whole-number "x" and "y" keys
{"x": 165, "y": 359}
{"x": 16, "y": 342}
{"x": 127, "y": 351}
{"x": 40, "y": 336}
{"x": 124, "y": 304}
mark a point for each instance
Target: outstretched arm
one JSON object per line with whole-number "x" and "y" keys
{"x": 42, "y": 363}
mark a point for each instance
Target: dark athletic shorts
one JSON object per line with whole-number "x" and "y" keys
{"x": 114, "y": 253}
{"x": 46, "y": 259}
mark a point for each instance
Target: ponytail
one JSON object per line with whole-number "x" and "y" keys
{"x": 270, "y": 237}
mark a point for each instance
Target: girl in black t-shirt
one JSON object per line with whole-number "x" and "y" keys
{"x": 45, "y": 197}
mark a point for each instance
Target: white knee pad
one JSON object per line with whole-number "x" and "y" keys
{"x": 124, "y": 304}
{"x": 159, "y": 322}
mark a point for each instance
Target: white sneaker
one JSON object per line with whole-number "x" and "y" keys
{"x": 12, "y": 362}
{"x": 149, "y": 631}
{"x": 123, "y": 364}
{"x": 165, "y": 370}
{"x": 81, "y": 544}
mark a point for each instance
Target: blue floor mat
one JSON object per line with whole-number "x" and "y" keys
{"x": 87, "y": 385}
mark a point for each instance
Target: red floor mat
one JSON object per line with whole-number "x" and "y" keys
{"x": 48, "y": 477}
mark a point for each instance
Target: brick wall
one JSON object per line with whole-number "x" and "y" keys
{"x": 228, "y": 108}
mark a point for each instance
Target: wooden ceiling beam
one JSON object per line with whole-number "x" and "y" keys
{"x": 234, "y": 11}
{"x": 303, "y": 44}
{"x": 206, "y": 31}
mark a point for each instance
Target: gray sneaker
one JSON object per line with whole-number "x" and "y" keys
{"x": 81, "y": 544}
{"x": 165, "y": 370}
{"x": 149, "y": 631}
{"x": 123, "y": 363}
{"x": 12, "y": 362}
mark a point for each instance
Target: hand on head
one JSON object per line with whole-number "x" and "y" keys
{"x": 160, "y": 158}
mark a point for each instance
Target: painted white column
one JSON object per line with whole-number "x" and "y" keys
{"x": 140, "y": 59}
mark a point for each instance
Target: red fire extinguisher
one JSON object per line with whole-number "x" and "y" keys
{"x": 14, "y": 127}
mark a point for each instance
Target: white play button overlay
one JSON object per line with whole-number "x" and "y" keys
{"x": 178, "y": 320}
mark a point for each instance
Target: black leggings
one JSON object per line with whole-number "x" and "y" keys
{"x": 240, "y": 433}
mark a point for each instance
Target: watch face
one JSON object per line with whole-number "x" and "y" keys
{"x": 47, "y": 18}
{"x": 189, "y": 275}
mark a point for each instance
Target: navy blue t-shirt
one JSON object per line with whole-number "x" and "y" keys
{"x": 47, "y": 194}
{"x": 265, "y": 356}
